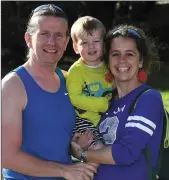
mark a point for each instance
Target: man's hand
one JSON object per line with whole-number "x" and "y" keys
{"x": 80, "y": 171}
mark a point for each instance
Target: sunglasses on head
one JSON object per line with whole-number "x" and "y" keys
{"x": 46, "y": 6}
{"x": 134, "y": 32}
{"x": 130, "y": 31}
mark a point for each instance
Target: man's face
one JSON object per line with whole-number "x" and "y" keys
{"x": 49, "y": 42}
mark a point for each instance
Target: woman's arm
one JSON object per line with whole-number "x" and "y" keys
{"x": 139, "y": 129}
{"x": 100, "y": 156}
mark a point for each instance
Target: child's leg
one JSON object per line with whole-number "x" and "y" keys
{"x": 81, "y": 125}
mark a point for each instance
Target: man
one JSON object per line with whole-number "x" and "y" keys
{"x": 36, "y": 132}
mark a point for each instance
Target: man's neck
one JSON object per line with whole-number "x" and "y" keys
{"x": 40, "y": 70}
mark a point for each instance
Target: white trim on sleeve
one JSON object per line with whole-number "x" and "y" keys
{"x": 140, "y": 126}
{"x": 143, "y": 119}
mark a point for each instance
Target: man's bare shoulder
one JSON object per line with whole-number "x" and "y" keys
{"x": 11, "y": 80}
{"x": 12, "y": 87}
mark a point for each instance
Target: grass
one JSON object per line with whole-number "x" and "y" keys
{"x": 160, "y": 81}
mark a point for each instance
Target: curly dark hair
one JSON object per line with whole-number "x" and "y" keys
{"x": 146, "y": 46}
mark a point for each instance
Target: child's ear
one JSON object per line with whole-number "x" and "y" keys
{"x": 75, "y": 48}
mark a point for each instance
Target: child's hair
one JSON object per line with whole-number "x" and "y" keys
{"x": 86, "y": 24}
{"x": 146, "y": 48}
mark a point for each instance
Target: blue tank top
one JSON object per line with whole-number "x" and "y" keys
{"x": 48, "y": 121}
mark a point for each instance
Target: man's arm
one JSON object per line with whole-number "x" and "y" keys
{"x": 13, "y": 103}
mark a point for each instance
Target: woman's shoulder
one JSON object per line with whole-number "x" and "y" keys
{"x": 152, "y": 94}
{"x": 150, "y": 97}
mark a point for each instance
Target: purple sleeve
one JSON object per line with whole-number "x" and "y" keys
{"x": 140, "y": 127}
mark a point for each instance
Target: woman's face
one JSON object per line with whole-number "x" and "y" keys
{"x": 124, "y": 59}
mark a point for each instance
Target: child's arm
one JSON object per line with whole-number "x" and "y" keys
{"x": 74, "y": 83}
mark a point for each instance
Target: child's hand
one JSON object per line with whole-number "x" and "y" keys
{"x": 109, "y": 97}
{"x": 76, "y": 149}
{"x": 96, "y": 146}
{"x": 83, "y": 139}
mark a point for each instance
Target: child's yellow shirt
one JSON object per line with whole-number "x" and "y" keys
{"x": 88, "y": 90}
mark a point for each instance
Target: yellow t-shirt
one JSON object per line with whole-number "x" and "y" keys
{"x": 88, "y": 90}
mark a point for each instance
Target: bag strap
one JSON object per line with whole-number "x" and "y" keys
{"x": 166, "y": 127}
{"x": 60, "y": 74}
{"x": 132, "y": 107}
{"x": 164, "y": 141}
{"x": 146, "y": 150}
{"x": 148, "y": 157}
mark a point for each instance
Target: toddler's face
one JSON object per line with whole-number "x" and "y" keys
{"x": 90, "y": 47}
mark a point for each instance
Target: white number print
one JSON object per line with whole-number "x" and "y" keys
{"x": 109, "y": 126}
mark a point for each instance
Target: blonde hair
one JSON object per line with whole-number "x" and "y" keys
{"x": 145, "y": 46}
{"x": 86, "y": 24}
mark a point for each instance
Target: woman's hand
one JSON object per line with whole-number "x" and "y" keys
{"x": 80, "y": 171}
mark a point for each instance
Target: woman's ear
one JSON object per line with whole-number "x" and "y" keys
{"x": 75, "y": 48}
{"x": 28, "y": 40}
{"x": 140, "y": 63}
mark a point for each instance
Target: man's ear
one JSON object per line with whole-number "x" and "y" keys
{"x": 28, "y": 40}
{"x": 75, "y": 48}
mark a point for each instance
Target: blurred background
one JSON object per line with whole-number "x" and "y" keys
{"x": 152, "y": 16}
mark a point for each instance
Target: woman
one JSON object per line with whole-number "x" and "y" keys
{"x": 126, "y": 132}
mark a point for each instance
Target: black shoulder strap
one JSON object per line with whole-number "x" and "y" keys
{"x": 166, "y": 129}
{"x": 146, "y": 150}
{"x": 164, "y": 142}
{"x": 132, "y": 107}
